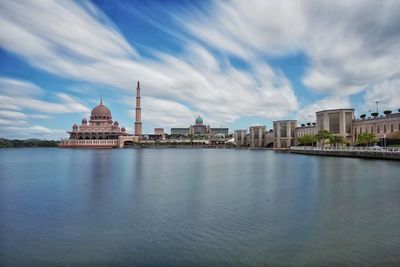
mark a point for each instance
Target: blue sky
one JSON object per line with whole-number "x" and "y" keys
{"x": 235, "y": 63}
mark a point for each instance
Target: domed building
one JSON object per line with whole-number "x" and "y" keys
{"x": 99, "y": 131}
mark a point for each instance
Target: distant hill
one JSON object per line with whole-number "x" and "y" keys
{"x": 6, "y": 143}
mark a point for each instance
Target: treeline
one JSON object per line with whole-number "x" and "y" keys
{"x": 5, "y": 143}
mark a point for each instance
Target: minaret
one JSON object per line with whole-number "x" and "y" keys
{"x": 138, "y": 118}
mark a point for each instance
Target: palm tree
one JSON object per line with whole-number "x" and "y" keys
{"x": 322, "y": 136}
{"x": 307, "y": 140}
{"x": 366, "y": 138}
{"x": 335, "y": 139}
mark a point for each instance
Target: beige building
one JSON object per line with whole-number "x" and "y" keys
{"x": 284, "y": 133}
{"x": 239, "y": 137}
{"x": 337, "y": 121}
{"x": 257, "y": 136}
{"x": 158, "y": 131}
{"x": 382, "y": 126}
{"x": 304, "y": 130}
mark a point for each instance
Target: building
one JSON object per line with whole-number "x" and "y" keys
{"x": 336, "y": 121}
{"x": 239, "y": 137}
{"x": 303, "y": 130}
{"x": 383, "y": 126}
{"x": 200, "y": 129}
{"x": 159, "y": 131}
{"x": 101, "y": 131}
{"x": 257, "y": 136}
{"x": 180, "y": 131}
{"x": 284, "y": 133}
{"x": 220, "y": 131}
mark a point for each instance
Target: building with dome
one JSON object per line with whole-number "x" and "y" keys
{"x": 99, "y": 131}
{"x": 199, "y": 129}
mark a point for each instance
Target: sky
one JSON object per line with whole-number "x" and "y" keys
{"x": 234, "y": 63}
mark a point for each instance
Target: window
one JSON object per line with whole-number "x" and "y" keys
{"x": 275, "y": 131}
{"x": 292, "y": 129}
{"x": 320, "y": 122}
{"x": 360, "y": 130}
{"x": 384, "y": 128}
{"x": 378, "y": 129}
{"x": 372, "y": 129}
{"x": 349, "y": 117}
{"x": 391, "y": 128}
{"x": 283, "y": 129}
{"x": 334, "y": 126}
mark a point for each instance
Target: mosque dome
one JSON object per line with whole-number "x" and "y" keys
{"x": 75, "y": 127}
{"x": 101, "y": 112}
{"x": 199, "y": 120}
{"x": 123, "y": 129}
{"x": 84, "y": 122}
{"x": 116, "y": 123}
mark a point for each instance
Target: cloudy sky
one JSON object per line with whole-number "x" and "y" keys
{"x": 235, "y": 63}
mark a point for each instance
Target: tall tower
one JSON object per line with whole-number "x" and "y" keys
{"x": 138, "y": 117}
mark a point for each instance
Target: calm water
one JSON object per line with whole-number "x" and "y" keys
{"x": 196, "y": 207}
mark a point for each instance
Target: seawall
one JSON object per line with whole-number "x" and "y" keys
{"x": 349, "y": 153}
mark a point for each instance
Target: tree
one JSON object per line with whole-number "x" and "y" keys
{"x": 362, "y": 116}
{"x": 387, "y": 112}
{"x": 335, "y": 139}
{"x": 366, "y": 138}
{"x": 323, "y": 135}
{"x": 374, "y": 114}
{"x": 307, "y": 140}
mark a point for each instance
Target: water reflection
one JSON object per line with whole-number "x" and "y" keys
{"x": 205, "y": 207}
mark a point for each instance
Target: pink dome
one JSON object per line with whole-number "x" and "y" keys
{"x": 101, "y": 112}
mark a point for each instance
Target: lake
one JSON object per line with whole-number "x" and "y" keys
{"x": 185, "y": 207}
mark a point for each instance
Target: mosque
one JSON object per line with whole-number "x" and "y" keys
{"x": 101, "y": 131}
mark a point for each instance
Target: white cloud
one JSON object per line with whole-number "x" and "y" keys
{"x": 89, "y": 48}
{"x": 31, "y": 131}
{"x": 307, "y": 113}
{"x": 14, "y": 87}
{"x": 350, "y": 45}
{"x": 387, "y": 93}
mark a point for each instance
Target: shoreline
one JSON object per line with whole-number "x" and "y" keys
{"x": 368, "y": 154}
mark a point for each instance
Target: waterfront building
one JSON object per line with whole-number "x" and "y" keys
{"x": 383, "y": 126}
{"x": 180, "y": 131}
{"x": 257, "y": 136}
{"x": 309, "y": 129}
{"x": 336, "y": 121}
{"x": 200, "y": 129}
{"x": 159, "y": 131}
{"x": 284, "y": 133}
{"x": 239, "y": 137}
{"x": 269, "y": 138}
{"x": 99, "y": 131}
{"x": 220, "y": 131}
